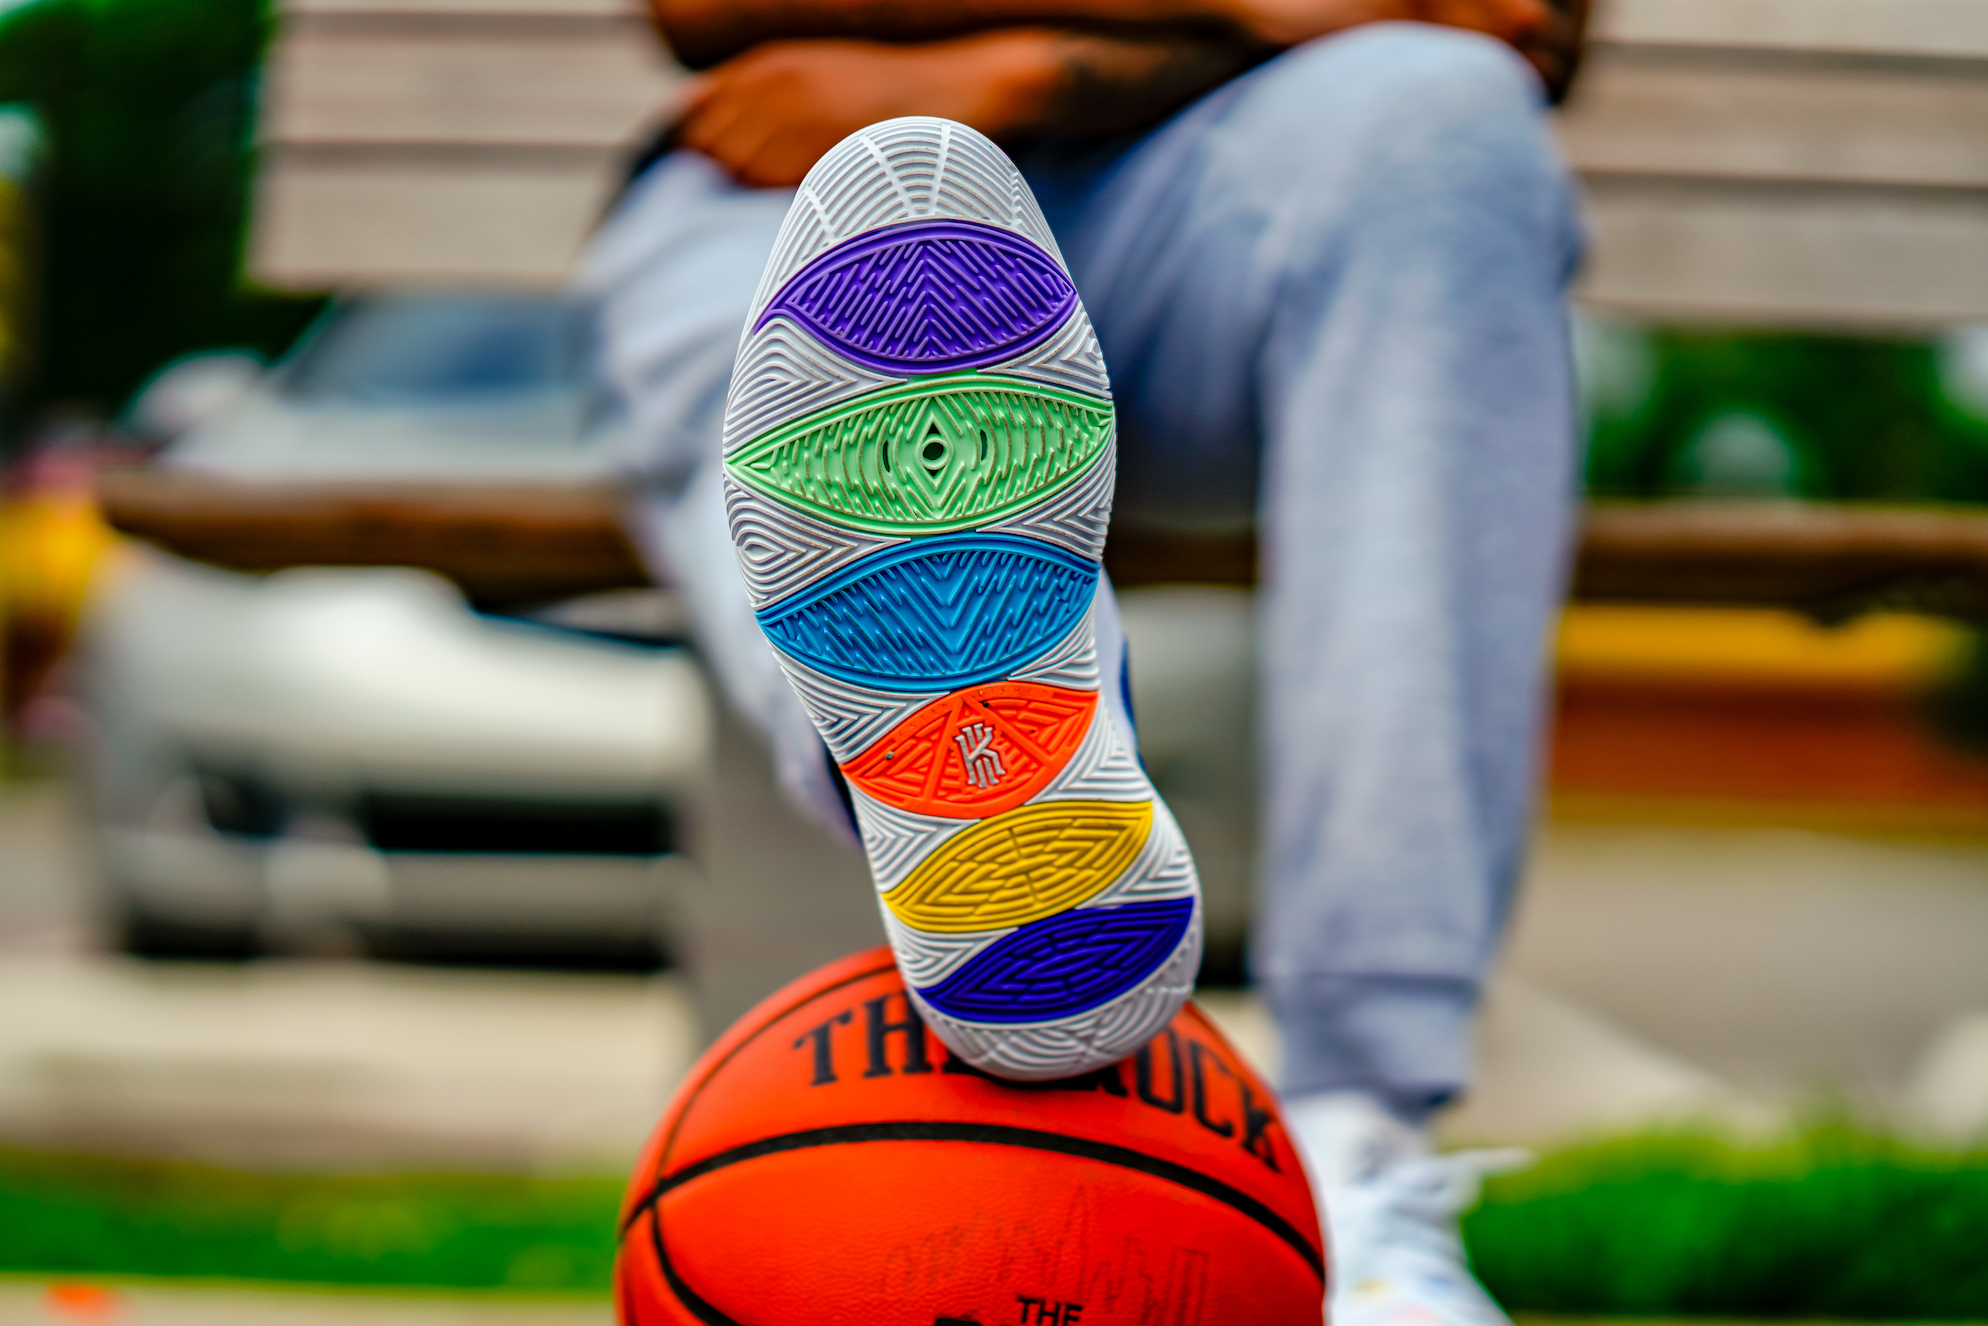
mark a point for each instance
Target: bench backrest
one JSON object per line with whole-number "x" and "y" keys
{"x": 1779, "y": 162}
{"x": 1787, "y": 162}
{"x": 447, "y": 141}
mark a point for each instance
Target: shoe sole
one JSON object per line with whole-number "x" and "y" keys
{"x": 919, "y": 454}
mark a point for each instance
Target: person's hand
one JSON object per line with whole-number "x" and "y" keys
{"x": 1554, "y": 48}
{"x": 1546, "y": 32}
{"x": 1289, "y": 22}
{"x": 768, "y": 115}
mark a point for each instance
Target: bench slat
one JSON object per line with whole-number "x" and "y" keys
{"x": 590, "y": 85}
{"x": 1894, "y": 27}
{"x": 470, "y": 10}
{"x": 1787, "y": 256}
{"x": 1671, "y": 114}
{"x": 326, "y": 219}
{"x": 504, "y": 542}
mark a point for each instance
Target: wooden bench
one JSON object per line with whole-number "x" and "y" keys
{"x": 1804, "y": 163}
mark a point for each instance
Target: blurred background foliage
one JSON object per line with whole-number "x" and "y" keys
{"x": 147, "y": 107}
{"x": 1729, "y": 413}
{"x": 1829, "y": 1222}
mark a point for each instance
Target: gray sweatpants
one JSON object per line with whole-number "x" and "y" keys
{"x": 1330, "y": 294}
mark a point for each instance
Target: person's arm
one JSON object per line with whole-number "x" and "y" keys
{"x": 704, "y": 33}
{"x": 770, "y": 114}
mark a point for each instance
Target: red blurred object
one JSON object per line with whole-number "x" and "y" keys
{"x": 71, "y": 1301}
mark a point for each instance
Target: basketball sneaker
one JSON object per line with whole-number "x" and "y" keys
{"x": 1390, "y": 1206}
{"x": 919, "y": 454}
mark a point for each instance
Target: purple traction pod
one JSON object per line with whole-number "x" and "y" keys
{"x": 928, "y": 297}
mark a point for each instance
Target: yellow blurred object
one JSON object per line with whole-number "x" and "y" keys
{"x": 53, "y": 541}
{"x": 1744, "y": 646}
{"x": 1748, "y": 716}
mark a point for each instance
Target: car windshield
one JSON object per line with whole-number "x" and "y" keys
{"x": 445, "y": 350}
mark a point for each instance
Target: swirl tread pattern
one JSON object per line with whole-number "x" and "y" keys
{"x": 930, "y": 456}
{"x": 1065, "y": 964}
{"x": 928, "y": 296}
{"x": 1022, "y": 866}
{"x": 1070, "y": 359}
{"x": 1075, "y": 519}
{"x": 919, "y": 461}
{"x": 782, "y": 374}
{"x": 782, "y": 551}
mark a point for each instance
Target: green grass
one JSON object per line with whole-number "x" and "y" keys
{"x": 1833, "y": 1224}
{"x": 66, "y": 1214}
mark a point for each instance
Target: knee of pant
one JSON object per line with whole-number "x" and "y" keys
{"x": 1401, "y": 112}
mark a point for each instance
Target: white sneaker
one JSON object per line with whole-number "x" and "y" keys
{"x": 1390, "y": 1207}
{"x": 919, "y": 464}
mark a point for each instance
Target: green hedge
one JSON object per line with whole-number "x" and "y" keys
{"x": 1863, "y": 419}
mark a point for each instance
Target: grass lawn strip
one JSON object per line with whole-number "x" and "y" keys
{"x": 1833, "y": 1224}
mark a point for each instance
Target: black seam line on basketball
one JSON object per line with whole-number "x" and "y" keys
{"x": 662, "y": 1156}
{"x": 700, "y": 1308}
{"x": 930, "y": 1130}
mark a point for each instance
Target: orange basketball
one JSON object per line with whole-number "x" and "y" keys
{"x": 829, "y": 1163}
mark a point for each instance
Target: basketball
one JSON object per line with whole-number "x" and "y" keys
{"x": 829, "y": 1162}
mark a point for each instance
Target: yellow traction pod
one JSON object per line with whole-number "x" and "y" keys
{"x": 1022, "y": 866}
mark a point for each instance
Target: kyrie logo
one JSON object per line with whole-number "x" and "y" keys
{"x": 983, "y": 762}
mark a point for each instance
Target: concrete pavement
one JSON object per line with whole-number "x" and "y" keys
{"x": 1653, "y": 973}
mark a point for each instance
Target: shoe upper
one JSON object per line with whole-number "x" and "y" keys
{"x": 1391, "y": 1207}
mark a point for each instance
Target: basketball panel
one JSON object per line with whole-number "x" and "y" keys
{"x": 641, "y": 1295}
{"x": 849, "y": 1051}
{"x": 921, "y": 1232}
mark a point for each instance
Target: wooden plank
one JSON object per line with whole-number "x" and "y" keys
{"x": 1787, "y": 256}
{"x": 1826, "y": 559}
{"x": 506, "y": 542}
{"x": 471, "y": 8}
{"x": 510, "y": 219}
{"x": 1907, "y": 27}
{"x": 595, "y": 84}
{"x": 1817, "y": 557}
{"x": 1893, "y": 27}
{"x": 502, "y": 544}
{"x": 1885, "y": 123}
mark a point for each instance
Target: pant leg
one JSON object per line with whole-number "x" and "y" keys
{"x": 1348, "y": 267}
{"x": 673, "y": 270}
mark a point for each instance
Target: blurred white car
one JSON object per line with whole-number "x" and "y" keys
{"x": 357, "y": 752}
